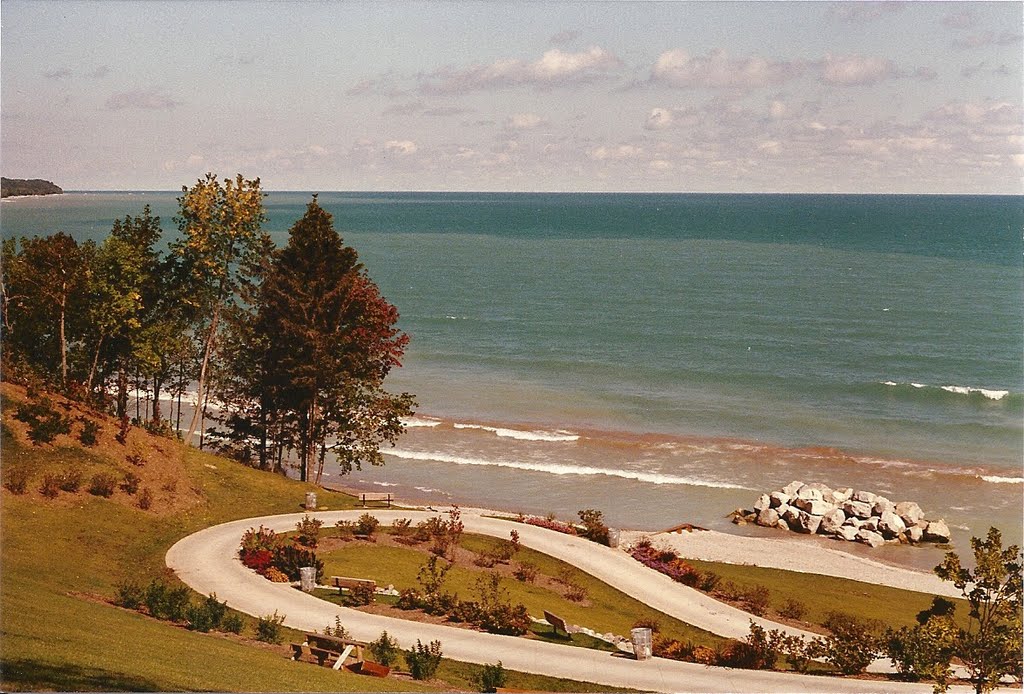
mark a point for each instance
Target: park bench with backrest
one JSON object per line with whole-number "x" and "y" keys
{"x": 343, "y": 583}
{"x": 556, "y": 622}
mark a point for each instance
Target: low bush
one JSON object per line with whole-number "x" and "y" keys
{"x": 362, "y": 594}
{"x": 550, "y": 524}
{"x": 367, "y": 525}
{"x": 401, "y": 527}
{"x": 491, "y": 677}
{"x": 124, "y": 425}
{"x": 385, "y": 650}
{"x": 44, "y": 421}
{"x": 309, "y": 532}
{"x": 756, "y": 599}
{"x": 851, "y": 646}
{"x": 16, "y": 480}
{"x": 102, "y": 484}
{"x": 268, "y": 628}
{"x": 70, "y": 480}
{"x": 594, "y": 528}
{"x": 206, "y": 615}
{"x": 409, "y": 599}
{"x": 793, "y": 609}
{"x": 135, "y": 459}
{"x": 145, "y": 499}
{"x": 89, "y": 435}
{"x": 50, "y": 487}
{"x": 164, "y": 602}
{"x": 708, "y": 581}
{"x": 130, "y": 595}
{"x": 525, "y": 572}
{"x": 673, "y": 649}
{"x": 233, "y": 623}
{"x": 666, "y": 562}
{"x": 423, "y": 661}
{"x": 130, "y": 483}
{"x": 466, "y": 612}
{"x": 338, "y": 630}
{"x": 274, "y": 575}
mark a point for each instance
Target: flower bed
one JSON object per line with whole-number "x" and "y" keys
{"x": 666, "y": 562}
{"x": 551, "y": 524}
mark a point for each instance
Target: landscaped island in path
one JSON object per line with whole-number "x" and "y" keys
{"x": 13, "y": 187}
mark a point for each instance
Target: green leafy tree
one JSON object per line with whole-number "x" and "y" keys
{"x": 330, "y": 340}
{"x": 220, "y": 225}
{"x": 990, "y": 645}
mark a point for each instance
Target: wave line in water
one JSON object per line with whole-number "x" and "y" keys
{"x": 562, "y": 469}
{"x": 996, "y": 479}
{"x": 518, "y": 434}
{"x": 990, "y": 393}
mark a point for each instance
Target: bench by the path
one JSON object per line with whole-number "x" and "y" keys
{"x": 343, "y": 583}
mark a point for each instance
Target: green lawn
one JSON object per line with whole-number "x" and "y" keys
{"x": 609, "y": 609}
{"x": 823, "y": 594}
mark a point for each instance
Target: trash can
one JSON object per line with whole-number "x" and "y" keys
{"x": 310, "y": 501}
{"x": 307, "y": 576}
{"x": 642, "y": 643}
{"x": 613, "y": 537}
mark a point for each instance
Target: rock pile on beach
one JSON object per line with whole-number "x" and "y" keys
{"x": 844, "y": 514}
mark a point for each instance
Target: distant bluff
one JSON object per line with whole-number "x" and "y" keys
{"x": 23, "y": 186}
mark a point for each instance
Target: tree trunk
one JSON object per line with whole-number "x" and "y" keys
{"x": 156, "y": 399}
{"x": 122, "y": 394}
{"x": 201, "y": 387}
{"x": 202, "y": 421}
{"x": 181, "y": 387}
{"x": 95, "y": 361}
{"x": 63, "y": 339}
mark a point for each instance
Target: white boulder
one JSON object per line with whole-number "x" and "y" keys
{"x": 806, "y": 523}
{"x": 790, "y": 489}
{"x": 860, "y": 509}
{"x": 881, "y": 505}
{"x": 891, "y": 525}
{"x": 768, "y": 517}
{"x": 779, "y": 499}
{"x": 910, "y": 512}
{"x": 817, "y": 507}
{"x": 832, "y": 521}
{"x": 937, "y": 531}
{"x": 915, "y": 534}
{"x": 872, "y": 539}
{"x": 841, "y": 495}
{"x": 846, "y": 532}
{"x": 763, "y": 502}
{"x": 866, "y": 497}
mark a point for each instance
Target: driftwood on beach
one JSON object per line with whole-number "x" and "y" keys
{"x": 843, "y": 514}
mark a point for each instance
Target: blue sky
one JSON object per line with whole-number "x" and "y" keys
{"x": 574, "y": 96}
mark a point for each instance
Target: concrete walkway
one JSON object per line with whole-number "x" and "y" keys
{"x": 208, "y": 562}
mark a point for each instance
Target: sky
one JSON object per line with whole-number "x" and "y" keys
{"x": 857, "y": 97}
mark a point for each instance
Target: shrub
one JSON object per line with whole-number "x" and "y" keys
{"x": 851, "y": 646}
{"x": 44, "y": 421}
{"x": 485, "y": 559}
{"x": 288, "y": 559}
{"x": 497, "y": 614}
{"x": 70, "y": 480}
{"x": 667, "y": 562}
{"x": 708, "y": 581}
{"x": 164, "y": 602}
{"x": 703, "y": 655}
{"x": 798, "y": 651}
{"x": 145, "y": 499}
{"x": 924, "y": 650}
{"x": 367, "y": 525}
{"x": 50, "y": 487}
{"x": 594, "y": 528}
{"x": 401, "y": 527}
{"x": 793, "y": 609}
{"x": 130, "y": 595}
{"x": 16, "y": 480}
{"x": 309, "y": 531}
{"x": 551, "y": 524}
{"x": 491, "y": 677}
{"x": 123, "y": 427}
{"x": 268, "y": 628}
{"x": 445, "y": 534}
{"x": 274, "y": 575}
{"x": 525, "y": 572}
{"x": 362, "y": 594}
{"x": 466, "y": 611}
{"x": 756, "y": 599}
{"x": 385, "y": 649}
{"x": 423, "y": 660}
{"x": 338, "y": 629}
{"x": 130, "y": 483}
{"x": 198, "y": 618}
{"x": 135, "y": 459}
{"x": 232, "y": 623}
{"x": 257, "y": 539}
{"x": 574, "y": 590}
{"x": 102, "y": 484}
{"x": 671, "y": 648}
{"x": 89, "y": 436}
{"x": 439, "y": 603}
{"x": 758, "y": 652}
{"x": 409, "y": 599}
{"x": 431, "y": 575}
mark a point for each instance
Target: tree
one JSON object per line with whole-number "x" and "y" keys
{"x": 990, "y": 646}
{"x": 43, "y": 292}
{"x": 331, "y": 340}
{"x": 220, "y": 224}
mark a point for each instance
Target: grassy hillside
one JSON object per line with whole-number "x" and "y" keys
{"x": 62, "y": 559}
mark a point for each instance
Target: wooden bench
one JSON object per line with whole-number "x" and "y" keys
{"x": 372, "y": 496}
{"x": 556, "y": 622}
{"x": 325, "y": 648}
{"x": 345, "y": 583}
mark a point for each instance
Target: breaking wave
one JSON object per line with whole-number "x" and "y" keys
{"x": 989, "y": 393}
{"x": 518, "y": 434}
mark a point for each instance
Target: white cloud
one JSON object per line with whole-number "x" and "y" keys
{"x": 987, "y": 38}
{"x": 402, "y": 147}
{"x": 849, "y": 11}
{"x": 853, "y": 70}
{"x": 62, "y": 73}
{"x": 564, "y": 37}
{"x": 141, "y": 99}
{"x": 555, "y": 68}
{"x": 678, "y": 68}
{"x": 616, "y": 153}
{"x": 964, "y": 19}
{"x": 523, "y": 121}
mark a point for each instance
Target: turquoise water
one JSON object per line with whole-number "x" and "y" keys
{"x": 743, "y": 334}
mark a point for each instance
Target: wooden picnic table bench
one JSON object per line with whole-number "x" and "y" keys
{"x": 375, "y": 496}
{"x": 325, "y": 648}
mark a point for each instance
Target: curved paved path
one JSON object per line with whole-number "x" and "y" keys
{"x": 208, "y": 562}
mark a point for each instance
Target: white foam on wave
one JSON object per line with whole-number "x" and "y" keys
{"x": 518, "y": 434}
{"x": 996, "y": 479}
{"x": 385, "y": 484}
{"x": 562, "y": 469}
{"x": 964, "y": 390}
{"x": 989, "y": 393}
{"x": 414, "y": 422}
